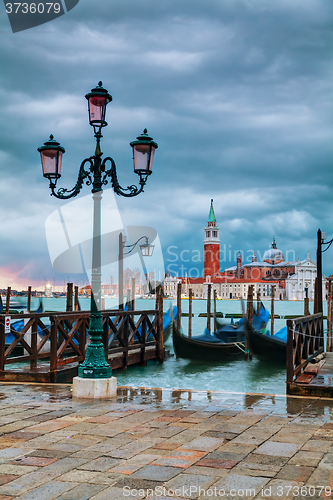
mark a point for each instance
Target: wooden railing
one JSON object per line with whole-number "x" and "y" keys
{"x": 59, "y": 339}
{"x": 305, "y": 340}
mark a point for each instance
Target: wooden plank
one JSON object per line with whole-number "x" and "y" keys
{"x": 305, "y": 378}
{"x": 314, "y": 367}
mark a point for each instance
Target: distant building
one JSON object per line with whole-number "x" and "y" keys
{"x": 290, "y": 278}
{"x": 303, "y": 279}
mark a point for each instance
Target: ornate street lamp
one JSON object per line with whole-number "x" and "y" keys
{"x": 96, "y": 174}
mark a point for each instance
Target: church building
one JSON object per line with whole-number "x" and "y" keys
{"x": 292, "y": 279}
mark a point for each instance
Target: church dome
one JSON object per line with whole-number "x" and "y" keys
{"x": 273, "y": 255}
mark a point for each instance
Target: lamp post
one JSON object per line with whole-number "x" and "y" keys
{"x": 97, "y": 175}
{"x": 321, "y": 237}
{"x": 146, "y": 250}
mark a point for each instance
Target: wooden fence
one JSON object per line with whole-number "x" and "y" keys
{"x": 305, "y": 340}
{"x": 50, "y": 346}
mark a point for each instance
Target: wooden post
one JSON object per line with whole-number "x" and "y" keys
{"x": 53, "y": 349}
{"x": 272, "y": 308}
{"x": 215, "y": 323}
{"x": 249, "y": 314}
{"x": 121, "y": 272}
{"x": 315, "y": 302}
{"x": 29, "y": 299}
{"x": 209, "y": 291}
{"x": 133, "y": 296}
{"x": 249, "y": 308}
{"x": 190, "y": 295}
{"x": 2, "y": 344}
{"x": 156, "y": 298}
{"x": 331, "y": 322}
{"x": 306, "y": 303}
{"x": 69, "y": 299}
{"x": 8, "y": 299}
{"x": 179, "y": 306}
{"x": 289, "y": 358}
{"x": 160, "y": 329}
{"x": 258, "y": 302}
{"x": 33, "y": 361}
{"x": 76, "y": 298}
{"x": 328, "y": 335}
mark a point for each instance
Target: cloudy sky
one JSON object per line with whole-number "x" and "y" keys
{"x": 237, "y": 94}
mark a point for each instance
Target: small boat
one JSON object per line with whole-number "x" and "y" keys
{"x": 269, "y": 347}
{"x": 205, "y": 347}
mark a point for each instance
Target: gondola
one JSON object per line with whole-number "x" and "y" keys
{"x": 18, "y": 325}
{"x": 168, "y": 320}
{"x": 269, "y": 347}
{"x": 205, "y": 347}
{"x": 236, "y": 332}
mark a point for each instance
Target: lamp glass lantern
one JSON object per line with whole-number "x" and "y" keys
{"x": 51, "y": 157}
{"x": 98, "y": 99}
{"x": 143, "y": 153}
{"x": 146, "y": 250}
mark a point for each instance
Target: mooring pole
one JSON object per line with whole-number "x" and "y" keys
{"x": 29, "y": 299}
{"x": 306, "y": 302}
{"x": 315, "y": 302}
{"x": 272, "y": 308}
{"x": 160, "y": 322}
{"x": 179, "y": 305}
{"x": 69, "y": 298}
{"x": 249, "y": 315}
{"x": 8, "y": 299}
{"x": 76, "y": 298}
{"x": 190, "y": 312}
{"x": 209, "y": 291}
{"x": 215, "y": 323}
{"x": 133, "y": 295}
{"x": 258, "y": 302}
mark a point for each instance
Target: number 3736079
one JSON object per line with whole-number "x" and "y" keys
{"x": 33, "y": 8}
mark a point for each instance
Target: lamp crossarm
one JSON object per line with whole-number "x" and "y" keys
{"x": 131, "y": 247}
{"x": 329, "y": 243}
{"x": 63, "y": 193}
{"x": 128, "y": 192}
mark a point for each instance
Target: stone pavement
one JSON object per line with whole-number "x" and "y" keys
{"x": 149, "y": 443}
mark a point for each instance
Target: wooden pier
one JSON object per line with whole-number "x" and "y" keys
{"x": 309, "y": 368}
{"x": 50, "y": 346}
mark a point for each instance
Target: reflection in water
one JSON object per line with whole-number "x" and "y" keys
{"x": 131, "y": 399}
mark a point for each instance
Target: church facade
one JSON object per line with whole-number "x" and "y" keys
{"x": 292, "y": 279}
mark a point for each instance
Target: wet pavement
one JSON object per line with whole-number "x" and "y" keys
{"x": 152, "y": 443}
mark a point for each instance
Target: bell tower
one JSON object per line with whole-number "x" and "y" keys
{"x": 211, "y": 245}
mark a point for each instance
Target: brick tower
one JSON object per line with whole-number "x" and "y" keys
{"x": 211, "y": 245}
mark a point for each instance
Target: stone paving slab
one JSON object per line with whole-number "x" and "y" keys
{"x": 53, "y": 447}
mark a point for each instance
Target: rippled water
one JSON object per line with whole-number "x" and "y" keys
{"x": 235, "y": 376}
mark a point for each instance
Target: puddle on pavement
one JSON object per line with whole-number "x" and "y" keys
{"x": 310, "y": 410}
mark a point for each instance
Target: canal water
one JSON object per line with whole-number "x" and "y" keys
{"x": 235, "y": 376}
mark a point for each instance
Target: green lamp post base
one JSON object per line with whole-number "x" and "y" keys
{"x": 95, "y": 364}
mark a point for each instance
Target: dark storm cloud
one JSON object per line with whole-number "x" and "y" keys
{"x": 236, "y": 93}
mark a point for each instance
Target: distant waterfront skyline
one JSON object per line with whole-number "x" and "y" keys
{"x": 237, "y": 94}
